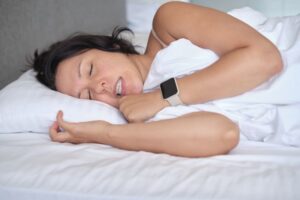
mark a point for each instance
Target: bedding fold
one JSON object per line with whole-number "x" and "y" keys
{"x": 266, "y": 113}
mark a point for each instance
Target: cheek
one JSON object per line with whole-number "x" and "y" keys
{"x": 138, "y": 86}
{"x": 135, "y": 84}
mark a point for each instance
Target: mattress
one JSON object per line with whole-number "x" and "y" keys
{"x": 34, "y": 167}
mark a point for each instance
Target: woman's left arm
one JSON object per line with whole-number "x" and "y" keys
{"x": 247, "y": 58}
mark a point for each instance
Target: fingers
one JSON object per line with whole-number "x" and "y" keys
{"x": 66, "y": 126}
{"x": 126, "y": 109}
{"x": 58, "y": 135}
{"x": 128, "y": 104}
{"x": 137, "y": 108}
{"x": 128, "y": 101}
{"x": 123, "y": 103}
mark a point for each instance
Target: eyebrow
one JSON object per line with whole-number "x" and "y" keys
{"x": 79, "y": 75}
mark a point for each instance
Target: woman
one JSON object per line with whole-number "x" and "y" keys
{"x": 115, "y": 74}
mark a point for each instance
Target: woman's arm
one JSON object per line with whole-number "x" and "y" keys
{"x": 207, "y": 134}
{"x": 247, "y": 58}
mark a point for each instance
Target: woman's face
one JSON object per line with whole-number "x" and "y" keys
{"x": 99, "y": 75}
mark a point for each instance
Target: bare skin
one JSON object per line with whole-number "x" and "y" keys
{"x": 245, "y": 63}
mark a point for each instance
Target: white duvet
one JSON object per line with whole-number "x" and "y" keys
{"x": 34, "y": 168}
{"x": 270, "y": 112}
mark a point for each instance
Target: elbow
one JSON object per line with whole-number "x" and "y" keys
{"x": 230, "y": 138}
{"x": 271, "y": 60}
{"x": 227, "y": 140}
{"x": 276, "y": 63}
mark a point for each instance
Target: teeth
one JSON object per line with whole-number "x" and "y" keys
{"x": 119, "y": 87}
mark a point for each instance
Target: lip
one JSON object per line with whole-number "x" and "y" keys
{"x": 115, "y": 87}
{"x": 123, "y": 83}
{"x": 123, "y": 87}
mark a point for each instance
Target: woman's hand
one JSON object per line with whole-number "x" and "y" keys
{"x": 83, "y": 132}
{"x": 141, "y": 107}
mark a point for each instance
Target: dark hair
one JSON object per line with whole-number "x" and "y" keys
{"x": 45, "y": 63}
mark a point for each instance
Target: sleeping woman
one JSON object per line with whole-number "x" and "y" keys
{"x": 110, "y": 70}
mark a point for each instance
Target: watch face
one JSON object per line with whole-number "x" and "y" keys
{"x": 168, "y": 88}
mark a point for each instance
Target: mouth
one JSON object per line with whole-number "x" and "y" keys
{"x": 120, "y": 91}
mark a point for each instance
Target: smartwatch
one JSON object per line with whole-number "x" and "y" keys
{"x": 170, "y": 92}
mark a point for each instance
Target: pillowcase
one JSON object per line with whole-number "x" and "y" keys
{"x": 28, "y": 106}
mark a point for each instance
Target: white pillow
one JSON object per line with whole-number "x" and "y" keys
{"x": 28, "y": 106}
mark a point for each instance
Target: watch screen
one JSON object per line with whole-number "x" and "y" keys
{"x": 168, "y": 88}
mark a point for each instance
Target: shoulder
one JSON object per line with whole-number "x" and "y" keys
{"x": 205, "y": 27}
{"x": 173, "y": 8}
{"x": 172, "y": 12}
{"x": 175, "y": 20}
{"x": 165, "y": 17}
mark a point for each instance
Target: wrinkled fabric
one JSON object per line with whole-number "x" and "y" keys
{"x": 270, "y": 112}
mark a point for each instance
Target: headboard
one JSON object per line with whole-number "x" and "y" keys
{"x": 30, "y": 24}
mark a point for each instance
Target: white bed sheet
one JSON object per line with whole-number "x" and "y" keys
{"x": 33, "y": 167}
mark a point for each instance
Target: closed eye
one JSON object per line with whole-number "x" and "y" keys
{"x": 90, "y": 97}
{"x": 91, "y": 71}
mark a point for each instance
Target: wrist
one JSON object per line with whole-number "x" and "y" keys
{"x": 102, "y": 131}
{"x": 170, "y": 92}
{"x": 162, "y": 103}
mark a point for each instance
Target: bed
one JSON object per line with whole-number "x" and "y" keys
{"x": 34, "y": 167}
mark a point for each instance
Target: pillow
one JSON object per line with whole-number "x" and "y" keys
{"x": 28, "y": 106}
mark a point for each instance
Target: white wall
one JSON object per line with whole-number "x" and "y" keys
{"x": 268, "y": 7}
